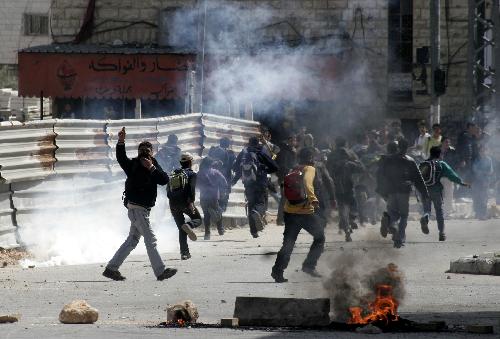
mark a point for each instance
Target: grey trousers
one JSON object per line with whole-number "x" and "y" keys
{"x": 140, "y": 226}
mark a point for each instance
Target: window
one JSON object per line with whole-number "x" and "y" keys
{"x": 36, "y": 24}
{"x": 400, "y": 54}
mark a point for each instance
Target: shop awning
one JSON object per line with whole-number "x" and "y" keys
{"x": 74, "y": 71}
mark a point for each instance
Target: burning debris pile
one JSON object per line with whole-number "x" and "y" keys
{"x": 362, "y": 298}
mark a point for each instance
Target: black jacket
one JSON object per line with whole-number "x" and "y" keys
{"x": 141, "y": 184}
{"x": 268, "y": 165}
{"x": 189, "y": 194}
{"x": 397, "y": 173}
{"x": 286, "y": 160}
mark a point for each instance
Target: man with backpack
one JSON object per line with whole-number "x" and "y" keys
{"x": 168, "y": 156}
{"x": 433, "y": 169}
{"x": 143, "y": 175}
{"x": 211, "y": 183}
{"x": 181, "y": 197}
{"x": 301, "y": 203}
{"x": 396, "y": 174}
{"x": 252, "y": 165}
{"x": 227, "y": 157}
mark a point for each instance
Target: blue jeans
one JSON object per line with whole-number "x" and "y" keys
{"x": 436, "y": 199}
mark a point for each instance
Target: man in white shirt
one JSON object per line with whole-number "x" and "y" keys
{"x": 420, "y": 142}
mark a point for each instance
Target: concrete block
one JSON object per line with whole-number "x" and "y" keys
{"x": 485, "y": 263}
{"x": 229, "y": 322}
{"x": 282, "y": 312}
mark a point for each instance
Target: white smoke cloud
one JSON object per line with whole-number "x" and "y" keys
{"x": 82, "y": 220}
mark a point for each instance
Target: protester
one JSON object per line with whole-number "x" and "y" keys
{"x": 252, "y": 165}
{"x": 211, "y": 184}
{"x": 300, "y": 214}
{"x": 286, "y": 160}
{"x": 482, "y": 174}
{"x": 433, "y": 140}
{"x": 181, "y": 197}
{"x": 449, "y": 155}
{"x": 143, "y": 175}
{"x": 432, "y": 171}
{"x": 226, "y": 157}
{"x": 397, "y": 173}
{"x": 324, "y": 188}
{"x": 169, "y": 155}
{"x": 420, "y": 141}
{"x": 342, "y": 171}
{"x": 467, "y": 148}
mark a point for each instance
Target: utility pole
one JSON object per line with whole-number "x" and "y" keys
{"x": 435, "y": 14}
{"x": 495, "y": 18}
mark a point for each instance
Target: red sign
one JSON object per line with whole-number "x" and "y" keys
{"x": 145, "y": 76}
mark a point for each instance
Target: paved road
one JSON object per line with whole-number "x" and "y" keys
{"x": 237, "y": 265}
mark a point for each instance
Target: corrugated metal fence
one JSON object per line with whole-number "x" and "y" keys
{"x": 41, "y": 159}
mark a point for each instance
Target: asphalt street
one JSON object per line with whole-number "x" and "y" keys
{"x": 238, "y": 265}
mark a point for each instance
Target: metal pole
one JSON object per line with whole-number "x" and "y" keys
{"x": 41, "y": 105}
{"x": 435, "y": 13}
{"x": 471, "y": 89}
{"x": 495, "y": 17}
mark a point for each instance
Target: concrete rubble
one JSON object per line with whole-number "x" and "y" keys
{"x": 486, "y": 263}
{"x": 4, "y": 319}
{"x": 78, "y": 312}
{"x": 282, "y": 312}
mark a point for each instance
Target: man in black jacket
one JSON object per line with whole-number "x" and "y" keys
{"x": 286, "y": 160}
{"x": 396, "y": 174}
{"x": 181, "y": 198}
{"x": 252, "y": 165}
{"x": 143, "y": 176}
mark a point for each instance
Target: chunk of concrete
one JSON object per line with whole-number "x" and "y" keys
{"x": 8, "y": 319}
{"x": 479, "y": 329}
{"x": 486, "y": 263}
{"x": 229, "y": 322}
{"x": 282, "y": 312}
{"x": 184, "y": 310}
{"x": 78, "y": 312}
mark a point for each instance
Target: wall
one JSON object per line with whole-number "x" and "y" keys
{"x": 12, "y": 36}
{"x": 313, "y": 19}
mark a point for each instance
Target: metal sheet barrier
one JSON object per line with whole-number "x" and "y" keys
{"x": 42, "y": 159}
{"x": 82, "y": 147}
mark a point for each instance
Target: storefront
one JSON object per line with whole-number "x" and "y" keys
{"x": 102, "y": 82}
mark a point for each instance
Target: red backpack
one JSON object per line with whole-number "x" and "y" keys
{"x": 294, "y": 187}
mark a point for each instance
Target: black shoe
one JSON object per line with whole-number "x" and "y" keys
{"x": 312, "y": 272}
{"x": 221, "y": 231}
{"x": 185, "y": 256}
{"x": 255, "y": 235}
{"x": 189, "y": 231}
{"x": 384, "y": 225}
{"x": 348, "y": 237}
{"x": 115, "y": 275}
{"x": 278, "y": 277}
{"x": 353, "y": 225}
{"x": 168, "y": 273}
{"x": 398, "y": 244}
{"x": 424, "y": 224}
{"x": 207, "y": 236}
{"x": 442, "y": 236}
{"x": 257, "y": 219}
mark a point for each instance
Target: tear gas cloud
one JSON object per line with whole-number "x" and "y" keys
{"x": 82, "y": 220}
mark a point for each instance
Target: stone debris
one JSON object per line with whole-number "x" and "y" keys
{"x": 369, "y": 329}
{"x": 486, "y": 263}
{"x": 184, "y": 310}
{"x": 11, "y": 257}
{"x": 8, "y": 319}
{"x": 78, "y": 312}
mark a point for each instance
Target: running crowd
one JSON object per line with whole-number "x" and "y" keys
{"x": 368, "y": 180}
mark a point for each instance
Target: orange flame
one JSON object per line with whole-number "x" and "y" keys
{"x": 383, "y": 308}
{"x": 181, "y": 322}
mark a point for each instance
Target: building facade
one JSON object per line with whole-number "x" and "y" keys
{"x": 374, "y": 43}
{"x": 23, "y": 23}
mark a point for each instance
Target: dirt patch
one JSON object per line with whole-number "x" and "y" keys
{"x": 11, "y": 257}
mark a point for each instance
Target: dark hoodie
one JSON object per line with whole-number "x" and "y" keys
{"x": 168, "y": 157}
{"x": 268, "y": 165}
